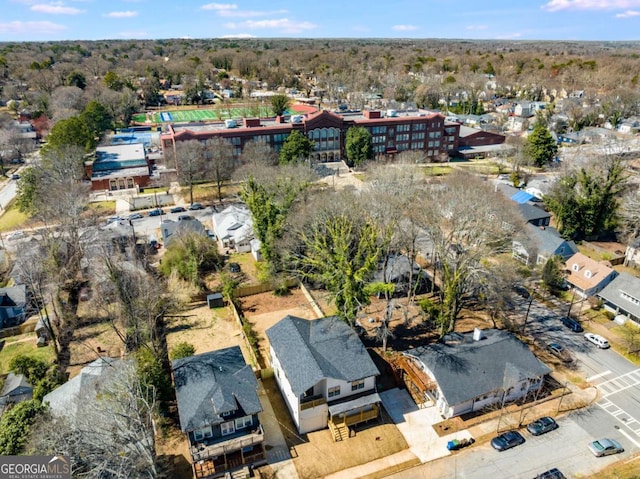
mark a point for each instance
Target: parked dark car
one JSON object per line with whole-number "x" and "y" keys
{"x": 551, "y": 474}
{"x": 185, "y": 217}
{"x": 15, "y": 176}
{"x": 134, "y": 216}
{"x": 542, "y": 425}
{"x": 178, "y": 209}
{"x": 156, "y": 212}
{"x": 572, "y": 324}
{"x": 234, "y": 267}
{"x": 507, "y": 440}
{"x": 196, "y": 206}
{"x": 521, "y": 291}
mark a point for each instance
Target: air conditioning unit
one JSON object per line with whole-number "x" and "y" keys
{"x": 296, "y": 118}
{"x": 392, "y": 113}
{"x": 230, "y": 123}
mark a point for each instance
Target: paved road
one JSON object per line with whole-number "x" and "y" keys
{"x": 564, "y": 448}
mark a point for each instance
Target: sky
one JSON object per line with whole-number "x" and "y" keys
{"x": 40, "y": 20}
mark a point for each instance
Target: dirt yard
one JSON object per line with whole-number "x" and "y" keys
{"x": 316, "y": 455}
{"x": 266, "y": 309}
{"x": 206, "y": 329}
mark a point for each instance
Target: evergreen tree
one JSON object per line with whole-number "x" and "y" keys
{"x": 358, "y": 145}
{"x": 541, "y": 147}
{"x": 295, "y": 148}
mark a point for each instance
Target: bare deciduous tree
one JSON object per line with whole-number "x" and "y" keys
{"x": 468, "y": 223}
{"x": 112, "y": 436}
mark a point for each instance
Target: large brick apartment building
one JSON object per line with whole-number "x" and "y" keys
{"x": 391, "y": 132}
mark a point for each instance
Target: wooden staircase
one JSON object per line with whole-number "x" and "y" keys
{"x": 340, "y": 431}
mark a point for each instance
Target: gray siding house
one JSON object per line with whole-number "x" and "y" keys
{"x": 622, "y": 297}
{"x": 325, "y": 374}
{"x": 471, "y": 371}
{"x": 218, "y": 405}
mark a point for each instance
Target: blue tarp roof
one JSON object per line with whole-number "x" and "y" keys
{"x": 521, "y": 197}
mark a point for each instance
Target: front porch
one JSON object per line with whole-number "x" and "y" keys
{"x": 350, "y": 413}
{"x": 212, "y": 460}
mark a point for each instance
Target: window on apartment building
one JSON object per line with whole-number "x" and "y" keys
{"x": 379, "y": 149}
{"x": 452, "y": 138}
{"x": 438, "y": 134}
{"x": 391, "y": 131}
{"x": 432, "y": 134}
{"x": 378, "y": 129}
{"x": 419, "y": 126}
{"x": 402, "y": 146}
{"x": 243, "y": 422}
{"x": 436, "y": 143}
{"x": 334, "y": 391}
{"x": 450, "y": 130}
{"x": 402, "y": 137}
{"x": 431, "y": 144}
{"x": 235, "y": 141}
{"x": 355, "y": 385}
{"x": 430, "y": 153}
{"x": 227, "y": 428}
{"x": 403, "y": 128}
{"x": 417, "y": 145}
{"x": 449, "y": 147}
{"x": 200, "y": 434}
{"x": 418, "y": 136}
{"x": 379, "y": 139}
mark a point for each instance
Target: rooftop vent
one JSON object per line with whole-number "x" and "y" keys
{"x": 230, "y": 123}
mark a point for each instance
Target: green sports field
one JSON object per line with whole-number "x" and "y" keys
{"x": 180, "y": 116}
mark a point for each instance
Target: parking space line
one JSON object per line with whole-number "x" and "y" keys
{"x": 596, "y": 376}
{"x": 621, "y": 415}
{"x": 630, "y": 438}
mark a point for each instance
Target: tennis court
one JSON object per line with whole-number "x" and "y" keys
{"x": 213, "y": 114}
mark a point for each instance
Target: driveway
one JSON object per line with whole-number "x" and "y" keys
{"x": 415, "y": 424}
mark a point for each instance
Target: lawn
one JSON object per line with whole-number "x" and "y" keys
{"x": 12, "y": 218}
{"x": 437, "y": 170}
{"x": 222, "y": 112}
{"x": 23, "y": 344}
{"x": 103, "y": 207}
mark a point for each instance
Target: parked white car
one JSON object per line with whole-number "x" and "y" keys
{"x": 598, "y": 340}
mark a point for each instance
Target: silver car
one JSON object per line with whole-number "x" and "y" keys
{"x": 605, "y": 447}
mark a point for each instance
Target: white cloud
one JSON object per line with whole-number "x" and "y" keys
{"x": 239, "y": 35}
{"x": 509, "y": 36}
{"x": 134, "y": 34}
{"x": 556, "y": 5}
{"x": 55, "y": 9}
{"x": 126, "y": 14}
{"x": 283, "y": 25}
{"x": 249, "y": 13}
{"x": 28, "y": 28}
{"x": 219, "y": 7}
{"x": 628, "y": 14}
{"x": 404, "y": 28}
{"x": 477, "y": 27}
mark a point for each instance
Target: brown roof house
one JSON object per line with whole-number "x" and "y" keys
{"x": 587, "y": 276}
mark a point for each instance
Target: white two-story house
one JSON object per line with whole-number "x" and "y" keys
{"x": 325, "y": 374}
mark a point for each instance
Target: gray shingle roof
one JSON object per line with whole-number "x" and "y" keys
{"x": 213, "y": 383}
{"x": 468, "y": 369}
{"x": 311, "y": 350}
{"x": 13, "y": 383}
{"x": 548, "y": 240}
{"x": 69, "y": 399}
{"x": 628, "y": 284}
{"x": 530, "y": 212}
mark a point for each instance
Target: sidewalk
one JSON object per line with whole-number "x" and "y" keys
{"x": 278, "y": 455}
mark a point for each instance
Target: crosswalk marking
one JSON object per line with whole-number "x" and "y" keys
{"x": 597, "y": 376}
{"x": 620, "y": 383}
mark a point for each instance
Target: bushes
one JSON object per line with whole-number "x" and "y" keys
{"x": 182, "y": 350}
{"x": 15, "y": 426}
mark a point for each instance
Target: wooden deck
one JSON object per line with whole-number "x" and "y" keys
{"x": 202, "y": 451}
